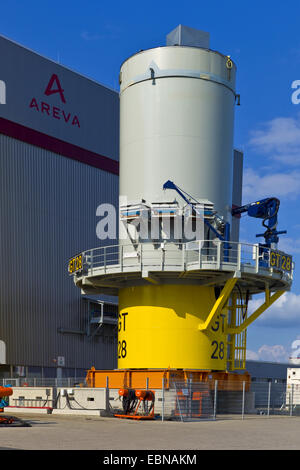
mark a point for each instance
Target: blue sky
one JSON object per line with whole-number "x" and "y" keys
{"x": 263, "y": 38}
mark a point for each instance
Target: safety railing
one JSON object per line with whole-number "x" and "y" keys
{"x": 194, "y": 255}
{"x": 42, "y": 381}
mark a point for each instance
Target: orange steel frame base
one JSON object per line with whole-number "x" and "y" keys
{"x": 135, "y": 415}
{"x": 156, "y": 378}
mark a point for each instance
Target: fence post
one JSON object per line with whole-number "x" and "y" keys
{"x": 163, "y": 400}
{"x": 292, "y": 400}
{"x": 269, "y": 397}
{"x": 215, "y": 399}
{"x": 243, "y": 404}
{"x": 107, "y": 395}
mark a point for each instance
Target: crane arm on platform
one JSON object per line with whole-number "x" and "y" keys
{"x": 266, "y": 209}
{"x": 187, "y": 198}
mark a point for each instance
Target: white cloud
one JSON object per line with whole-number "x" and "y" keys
{"x": 108, "y": 31}
{"x": 257, "y": 186}
{"x": 284, "y": 313}
{"x": 280, "y": 139}
{"x": 289, "y": 245}
{"x": 252, "y": 355}
{"x": 276, "y": 353}
{"x": 87, "y": 36}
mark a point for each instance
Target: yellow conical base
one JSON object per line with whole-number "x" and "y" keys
{"x": 159, "y": 328}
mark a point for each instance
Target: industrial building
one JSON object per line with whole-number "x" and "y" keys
{"x": 266, "y": 371}
{"x": 59, "y": 145}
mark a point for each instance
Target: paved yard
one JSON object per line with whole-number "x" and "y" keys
{"x": 56, "y": 432}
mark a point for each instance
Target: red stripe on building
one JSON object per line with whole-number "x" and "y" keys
{"x": 30, "y": 136}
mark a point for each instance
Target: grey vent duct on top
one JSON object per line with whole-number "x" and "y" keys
{"x": 185, "y": 36}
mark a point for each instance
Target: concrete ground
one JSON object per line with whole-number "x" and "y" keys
{"x": 56, "y": 432}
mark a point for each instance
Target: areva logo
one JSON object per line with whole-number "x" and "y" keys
{"x": 53, "y": 87}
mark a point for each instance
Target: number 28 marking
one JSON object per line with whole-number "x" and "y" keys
{"x": 122, "y": 345}
{"x": 218, "y": 352}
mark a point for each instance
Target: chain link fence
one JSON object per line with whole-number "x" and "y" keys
{"x": 192, "y": 401}
{"x": 211, "y": 400}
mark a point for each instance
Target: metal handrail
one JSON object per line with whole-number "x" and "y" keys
{"x": 200, "y": 254}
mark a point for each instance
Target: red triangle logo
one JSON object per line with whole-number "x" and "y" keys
{"x": 54, "y": 86}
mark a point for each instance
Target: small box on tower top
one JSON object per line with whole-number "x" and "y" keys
{"x": 185, "y": 36}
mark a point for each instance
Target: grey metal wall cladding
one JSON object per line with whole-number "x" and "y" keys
{"x": 237, "y": 191}
{"x": 48, "y": 213}
{"x": 84, "y": 113}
